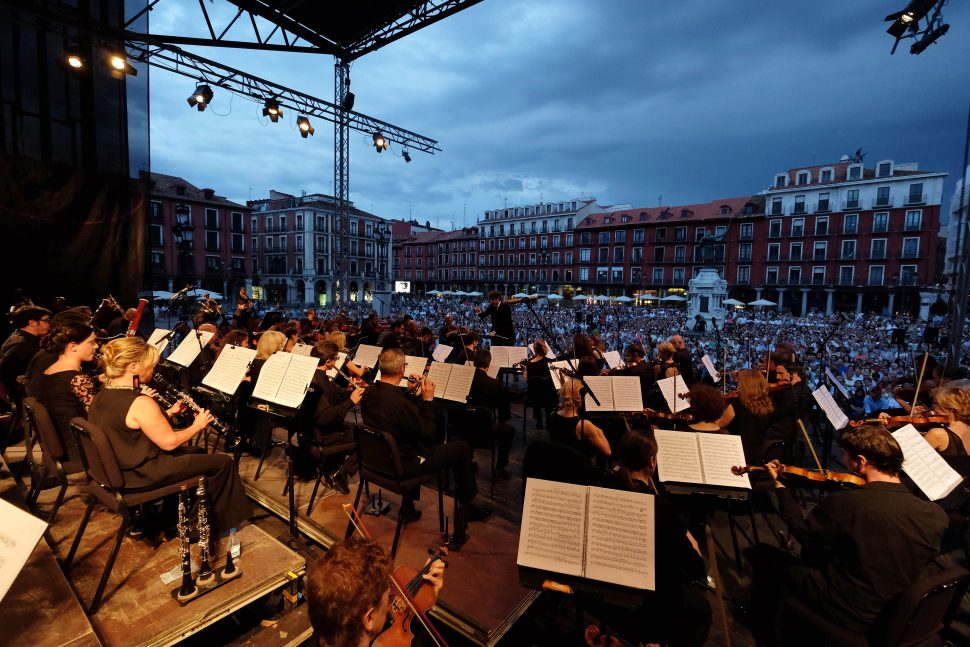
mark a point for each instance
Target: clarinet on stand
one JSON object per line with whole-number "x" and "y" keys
{"x": 205, "y": 567}
{"x": 188, "y": 589}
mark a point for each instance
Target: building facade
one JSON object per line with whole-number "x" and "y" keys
{"x": 294, "y": 243}
{"x": 196, "y": 238}
{"x": 438, "y": 260}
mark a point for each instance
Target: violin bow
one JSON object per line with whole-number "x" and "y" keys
{"x": 808, "y": 441}
{"x": 358, "y": 524}
{"x": 919, "y": 382}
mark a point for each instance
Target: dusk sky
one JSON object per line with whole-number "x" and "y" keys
{"x": 622, "y": 100}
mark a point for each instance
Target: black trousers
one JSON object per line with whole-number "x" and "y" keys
{"x": 456, "y": 455}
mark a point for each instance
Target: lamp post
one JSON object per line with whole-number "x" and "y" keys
{"x": 381, "y": 296}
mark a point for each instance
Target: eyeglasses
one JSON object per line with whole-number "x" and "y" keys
{"x": 45, "y": 319}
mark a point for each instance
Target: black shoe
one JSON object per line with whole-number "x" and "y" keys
{"x": 409, "y": 514}
{"x": 501, "y": 474}
{"x": 476, "y": 513}
{"x": 338, "y": 481}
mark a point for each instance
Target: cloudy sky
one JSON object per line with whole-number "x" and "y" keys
{"x": 627, "y": 101}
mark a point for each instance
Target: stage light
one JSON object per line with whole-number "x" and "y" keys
{"x": 74, "y": 60}
{"x": 120, "y": 66}
{"x": 928, "y": 39}
{"x": 406, "y": 156}
{"x": 304, "y": 125}
{"x": 272, "y": 110}
{"x": 380, "y": 144}
{"x": 906, "y": 23}
{"x": 201, "y": 98}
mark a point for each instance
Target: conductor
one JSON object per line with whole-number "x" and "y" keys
{"x": 503, "y": 331}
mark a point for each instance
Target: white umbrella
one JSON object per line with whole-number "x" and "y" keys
{"x": 624, "y": 299}
{"x": 436, "y": 293}
{"x": 448, "y": 293}
{"x": 156, "y": 294}
{"x": 733, "y": 302}
{"x": 460, "y": 293}
{"x": 762, "y": 302}
{"x": 554, "y": 297}
{"x": 673, "y": 297}
{"x": 601, "y": 298}
{"x": 476, "y": 293}
{"x": 198, "y": 292}
{"x": 519, "y": 295}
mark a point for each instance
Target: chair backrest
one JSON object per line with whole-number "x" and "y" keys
{"x": 43, "y": 427}
{"x": 925, "y": 608}
{"x": 475, "y": 423}
{"x": 97, "y": 455}
{"x": 378, "y": 452}
{"x": 553, "y": 462}
{"x": 541, "y": 391}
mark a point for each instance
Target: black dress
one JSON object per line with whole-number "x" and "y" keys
{"x": 65, "y": 395}
{"x": 144, "y": 465}
{"x": 562, "y": 430}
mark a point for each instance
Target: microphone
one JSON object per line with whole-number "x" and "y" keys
{"x": 181, "y": 293}
{"x": 531, "y": 297}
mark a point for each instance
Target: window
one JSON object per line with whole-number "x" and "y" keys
{"x": 877, "y": 248}
{"x": 658, "y": 254}
{"x": 604, "y": 238}
{"x": 678, "y": 276}
{"x": 850, "y": 223}
{"x": 781, "y": 179}
{"x": 238, "y": 244}
{"x": 802, "y": 177}
{"x": 658, "y": 276}
{"x": 617, "y": 254}
{"x": 155, "y": 235}
{"x": 568, "y": 258}
{"x": 269, "y": 224}
{"x": 660, "y": 234}
{"x": 848, "y": 250}
{"x": 602, "y": 274}
{"x": 884, "y": 169}
{"x": 637, "y": 255}
{"x": 603, "y": 254}
{"x": 794, "y": 275}
{"x": 882, "y": 197}
{"x": 913, "y": 220}
{"x": 774, "y": 251}
{"x": 776, "y": 207}
{"x": 818, "y": 275}
{"x": 638, "y": 236}
{"x": 584, "y": 254}
{"x": 855, "y": 172}
{"x": 212, "y": 240}
{"x": 680, "y": 234}
{"x": 744, "y": 274}
{"x": 771, "y": 276}
{"x": 875, "y": 275}
{"x": 797, "y": 227}
{"x": 821, "y": 225}
{"x": 212, "y": 263}
{"x": 744, "y": 252}
{"x": 907, "y": 275}
{"x": 155, "y": 211}
{"x": 158, "y": 259}
{"x": 680, "y": 253}
{"x": 852, "y": 199}
{"x": 584, "y": 238}
{"x": 283, "y": 244}
{"x": 846, "y": 275}
{"x": 799, "y": 205}
{"x": 916, "y": 195}
{"x": 353, "y": 225}
{"x": 236, "y": 223}
{"x": 823, "y": 202}
{"x": 795, "y": 252}
{"x": 774, "y": 229}
{"x": 910, "y": 247}
{"x": 255, "y": 244}
{"x": 569, "y": 241}
{"x": 616, "y": 275}
{"x": 619, "y": 236}
{"x": 825, "y": 175}
{"x": 820, "y": 250}
{"x": 880, "y": 222}
{"x": 299, "y": 224}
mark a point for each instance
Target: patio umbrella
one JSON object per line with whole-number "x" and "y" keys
{"x": 624, "y": 299}
{"x": 733, "y": 302}
{"x": 601, "y": 298}
{"x": 156, "y": 294}
{"x": 199, "y": 292}
{"x": 448, "y": 293}
{"x": 460, "y": 293}
{"x": 762, "y": 302}
{"x": 519, "y": 295}
{"x": 476, "y": 293}
{"x": 673, "y": 297}
{"x": 436, "y": 293}
{"x": 554, "y": 297}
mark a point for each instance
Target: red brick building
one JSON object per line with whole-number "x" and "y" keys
{"x": 437, "y": 260}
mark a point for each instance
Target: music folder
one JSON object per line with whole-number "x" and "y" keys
{"x": 615, "y": 393}
{"x": 700, "y": 458}
{"x": 230, "y": 369}
{"x": 190, "y": 347}
{"x": 285, "y": 378}
{"x": 451, "y": 381}
{"x": 367, "y": 356}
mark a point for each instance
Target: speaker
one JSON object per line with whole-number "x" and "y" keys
{"x": 899, "y": 337}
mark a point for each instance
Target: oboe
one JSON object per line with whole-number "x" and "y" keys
{"x": 188, "y": 588}
{"x": 173, "y": 393}
{"x": 205, "y": 568}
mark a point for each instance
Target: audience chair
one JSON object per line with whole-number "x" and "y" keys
{"x": 380, "y": 464}
{"x": 106, "y": 487}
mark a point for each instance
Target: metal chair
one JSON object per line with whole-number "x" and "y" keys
{"x": 325, "y": 452}
{"x": 380, "y": 464}
{"x": 106, "y": 487}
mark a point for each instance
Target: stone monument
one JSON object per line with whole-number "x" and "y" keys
{"x": 707, "y": 290}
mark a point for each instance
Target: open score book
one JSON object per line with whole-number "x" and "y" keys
{"x": 591, "y": 532}
{"x": 702, "y": 458}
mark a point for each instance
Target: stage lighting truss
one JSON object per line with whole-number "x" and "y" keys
{"x": 271, "y": 109}
{"x": 201, "y": 98}
{"x": 906, "y": 24}
{"x": 304, "y": 125}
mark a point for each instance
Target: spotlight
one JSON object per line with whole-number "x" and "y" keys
{"x": 906, "y": 23}
{"x": 348, "y": 102}
{"x": 74, "y": 60}
{"x": 201, "y": 98}
{"x": 304, "y": 125}
{"x": 272, "y": 110}
{"x": 928, "y": 39}
{"x": 120, "y": 66}
{"x": 406, "y": 156}
{"x": 380, "y": 144}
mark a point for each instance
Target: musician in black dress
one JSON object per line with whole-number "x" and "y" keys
{"x": 501, "y": 314}
{"x": 542, "y": 392}
{"x": 151, "y": 453}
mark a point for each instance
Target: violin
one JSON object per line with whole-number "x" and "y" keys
{"x": 421, "y": 595}
{"x": 894, "y": 422}
{"x": 685, "y": 416}
{"x": 816, "y": 476}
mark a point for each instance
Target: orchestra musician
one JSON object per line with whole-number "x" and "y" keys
{"x": 348, "y": 593}
{"x": 953, "y": 401}
{"x": 683, "y": 358}
{"x": 707, "y": 406}
{"x": 209, "y": 310}
{"x": 752, "y": 415}
{"x": 503, "y": 329}
{"x": 448, "y": 334}
{"x": 663, "y": 364}
{"x": 370, "y": 330}
{"x": 486, "y": 391}
{"x": 31, "y": 323}
{"x": 567, "y": 427}
{"x": 542, "y": 394}
{"x": 461, "y": 354}
{"x": 860, "y": 547}
{"x": 244, "y": 310}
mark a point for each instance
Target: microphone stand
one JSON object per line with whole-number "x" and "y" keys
{"x": 205, "y": 362}
{"x": 559, "y": 352}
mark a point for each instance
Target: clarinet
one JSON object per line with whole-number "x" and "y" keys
{"x": 188, "y": 588}
{"x": 205, "y": 568}
{"x": 174, "y": 394}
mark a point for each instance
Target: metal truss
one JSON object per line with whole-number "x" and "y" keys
{"x": 341, "y": 185}
{"x": 426, "y": 13}
{"x": 143, "y": 49}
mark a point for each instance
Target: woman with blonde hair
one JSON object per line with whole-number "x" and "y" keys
{"x": 953, "y": 401}
{"x": 151, "y": 453}
{"x": 340, "y": 339}
{"x": 568, "y": 428}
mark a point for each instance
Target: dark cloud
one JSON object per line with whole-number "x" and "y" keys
{"x": 622, "y": 100}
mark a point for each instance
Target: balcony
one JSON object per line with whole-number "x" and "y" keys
{"x": 846, "y": 281}
{"x": 912, "y": 226}
{"x": 875, "y": 282}
{"x": 882, "y": 202}
{"x": 818, "y": 280}
{"x": 743, "y": 281}
{"x": 851, "y": 204}
{"x": 910, "y": 254}
{"x": 823, "y": 207}
{"x": 912, "y": 199}
{"x": 742, "y": 258}
{"x": 798, "y": 209}
{"x": 880, "y": 229}
{"x": 818, "y": 256}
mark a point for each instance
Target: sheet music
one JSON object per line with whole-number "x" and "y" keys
{"x": 553, "y": 524}
{"x": 678, "y": 457}
{"x": 620, "y": 538}
{"x": 154, "y": 338}
{"x": 709, "y": 365}
{"x": 189, "y": 349}
{"x": 556, "y": 376}
{"x": 271, "y": 376}
{"x": 627, "y": 395}
{"x": 832, "y": 411}
{"x": 296, "y": 380}
{"x": 719, "y": 453}
{"x": 19, "y": 533}
{"x": 230, "y": 369}
{"x": 550, "y": 353}
{"x": 835, "y": 381}
{"x": 924, "y": 464}
{"x": 459, "y": 383}
{"x": 493, "y": 370}
{"x": 500, "y": 356}
{"x": 613, "y": 358}
{"x": 672, "y": 388}
{"x": 415, "y": 366}
{"x": 517, "y": 354}
{"x": 603, "y": 388}
{"x": 441, "y": 352}
{"x": 366, "y": 356}
{"x": 439, "y": 373}
{"x": 341, "y": 358}
{"x": 302, "y": 349}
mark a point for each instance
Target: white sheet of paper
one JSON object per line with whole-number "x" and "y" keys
{"x": 832, "y": 411}
{"x": 620, "y": 538}
{"x": 603, "y": 388}
{"x": 553, "y": 524}
{"x": 500, "y": 356}
{"x": 517, "y": 354}
{"x": 459, "y": 383}
{"x": 284, "y": 379}
{"x": 709, "y": 365}
{"x": 438, "y": 373}
{"x": 627, "y": 395}
{"x": 19, "y": 533}
{"x": 835, "y": 381}
{"x": 158, "y": 334}
{"x": 302, "y": 349}
{"x": 556, "y": 376}
{"x": 441, "y": 352}
{"x": 493, "y": 370}
{"x": 366, "y": 356}
{"x": 189, "y": 349}
{"x": 719, "y": 453}
{"x": 230, "y": 369}
{"x": 415, "y": 366}
{"x": 672, "y": 388}
{"x": 613, "y": 358}
{"x": 678, "y": 457}
{"x": 924, "y": 464}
